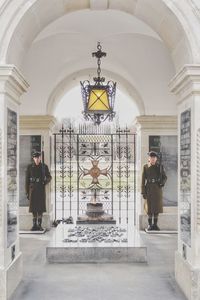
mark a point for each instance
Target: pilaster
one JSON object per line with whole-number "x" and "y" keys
{"x": 12, "y": 86}
{"x": 186, "y": 86}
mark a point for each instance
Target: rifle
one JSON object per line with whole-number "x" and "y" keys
{"x": 161, "y": 170}
{"x": 43, "y": 166}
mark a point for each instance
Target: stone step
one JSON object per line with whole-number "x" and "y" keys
{"x": 32, "y": 232}
{"x": 67, "y": 248}
{"x": 161, "y": 231}
{"x": 166, "y": 221}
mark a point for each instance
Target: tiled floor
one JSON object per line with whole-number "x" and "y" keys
{"x": 138, "y": 281}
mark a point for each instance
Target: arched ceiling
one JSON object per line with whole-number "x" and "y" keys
{"x": 101, "y": 24}
{"x": 146, "y": 42}
{"x": 173, "y": 20}
{"x": 135, "y": 54}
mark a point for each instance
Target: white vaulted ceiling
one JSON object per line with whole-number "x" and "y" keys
{"x": 61, "y": 55}
{"x": 147, "y": 41}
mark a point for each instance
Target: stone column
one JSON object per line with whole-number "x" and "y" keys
{"x": 12, "y": 86}
{"x": 42, "y": 126}
{"x": 147, "y": 126}
{"x": 186, "y": 85}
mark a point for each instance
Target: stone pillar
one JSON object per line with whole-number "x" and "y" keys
{"x": 186, "y": 85}
{"x": 12, "y": 86}
{"x": 42, "y": 126}
{"x": 147, "y": 126}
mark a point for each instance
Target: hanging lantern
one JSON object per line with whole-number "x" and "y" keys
{"x": 98, "y": 98}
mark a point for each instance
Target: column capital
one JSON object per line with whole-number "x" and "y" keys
{"x": 45, "y": 122}
{"x": 12, "y": 82}
{"x": 156, "y": 122}
{"x": 186, "y": 82}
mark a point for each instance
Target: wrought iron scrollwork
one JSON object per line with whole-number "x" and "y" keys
{"x": 78, "y": 155}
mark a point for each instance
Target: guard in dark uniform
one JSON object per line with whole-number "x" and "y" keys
{"x": 37, "y": 176}
{"x": 153, "y": 179}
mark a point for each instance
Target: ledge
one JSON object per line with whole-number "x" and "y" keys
{"x": 37, "y": 122}
{"x": 186, "y": 82}
{"x": 12, "y": 82}
{"x": 156, "y": 122}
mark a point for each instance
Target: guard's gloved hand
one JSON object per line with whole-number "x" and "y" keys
{"x": 144, "y": 196}
{"x": 44, "y": 180}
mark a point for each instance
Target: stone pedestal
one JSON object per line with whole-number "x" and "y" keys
{"x": 95, "y": 215}
{"x": 26, "y": 222}
{"x": 166, "y": 221}
{"x": 186, "y": 85}
{"x": 12, "y": 85}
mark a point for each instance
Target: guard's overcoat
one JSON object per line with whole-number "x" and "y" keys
{"x": 36, "y": 179}
{"x": 152, "y": 187}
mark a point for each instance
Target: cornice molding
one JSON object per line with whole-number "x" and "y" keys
{"x": 12, "y": 82}
{"x": 186, "y": 82}
{"x": 156, "y": 122}
{"x": 42, "y": 122}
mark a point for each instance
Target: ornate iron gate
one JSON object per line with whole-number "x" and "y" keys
{"x": 91, "y": 160}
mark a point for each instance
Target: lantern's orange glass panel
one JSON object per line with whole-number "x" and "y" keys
{"x": 98, "y": 100}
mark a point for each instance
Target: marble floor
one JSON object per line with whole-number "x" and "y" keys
{"x": 137, "y": 281}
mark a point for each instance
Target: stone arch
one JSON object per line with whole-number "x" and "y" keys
{"x": 74, "y": 79}
{"x": 166, "y": 17}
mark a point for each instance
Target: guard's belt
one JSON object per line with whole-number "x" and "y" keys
{"x": 153, "y": 180}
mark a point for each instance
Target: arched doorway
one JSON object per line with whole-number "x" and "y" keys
{"x": 165, "y": 17}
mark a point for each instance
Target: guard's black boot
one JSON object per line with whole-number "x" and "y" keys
{"x": 149, "y": 227}
{"x": 40, "y": 224}
{"x": 69, "y": 220}
{"x": 155, "y": 226}
{"x": 34, "y": 228}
